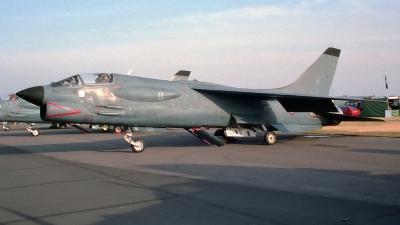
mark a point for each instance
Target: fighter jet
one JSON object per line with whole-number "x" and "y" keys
{"x": 19, "y": 110}
{"x": 144, "y": 104}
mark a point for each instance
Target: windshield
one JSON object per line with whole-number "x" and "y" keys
{"x": 70, "y": 81}
{"x": 86, "y": 78}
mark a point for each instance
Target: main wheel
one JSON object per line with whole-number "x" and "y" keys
{"x": 35, "y": 133}
{"x": 117, "y": 129}
{"x": 140, "y": 146}
{"x": 269, "y": 138}
{"x": 62, "y": 125}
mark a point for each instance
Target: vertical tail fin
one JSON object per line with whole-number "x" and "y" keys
{"x": 317, "y": 79}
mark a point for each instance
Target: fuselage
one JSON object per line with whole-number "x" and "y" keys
{"x": 144, "y": 102}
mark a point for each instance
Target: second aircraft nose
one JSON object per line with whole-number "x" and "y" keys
{"x": 34, "y": 95}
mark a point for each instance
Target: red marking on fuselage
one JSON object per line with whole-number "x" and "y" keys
{"x": 58, "y": 107}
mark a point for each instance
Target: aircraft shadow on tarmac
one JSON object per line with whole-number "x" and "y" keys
{"x": 155, "y": 198}
{"x": 192, "y": 201}
{"x": 231, "y": 195}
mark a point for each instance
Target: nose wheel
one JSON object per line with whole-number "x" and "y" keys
{"x": 269, "y": 138}
{"x": 34, "y": 133}
{"x": 137, "y": 145}
{"x": 5, "y": 126}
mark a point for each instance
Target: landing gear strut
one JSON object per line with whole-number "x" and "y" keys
{"x": 137, "y": 145}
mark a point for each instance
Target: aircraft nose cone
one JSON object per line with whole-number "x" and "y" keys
{"x": 34, "y": 95}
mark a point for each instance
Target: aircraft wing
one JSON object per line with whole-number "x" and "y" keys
{"x": 291, "y": 102}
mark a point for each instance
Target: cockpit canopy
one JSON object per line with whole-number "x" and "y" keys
{"x": 13, "y": 97}
{"x": 86, "y": 78}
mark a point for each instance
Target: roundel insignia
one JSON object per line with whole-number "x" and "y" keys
{"x": 291, "y": 113}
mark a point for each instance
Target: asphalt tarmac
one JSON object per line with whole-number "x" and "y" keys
{"x": 67, "y": 177}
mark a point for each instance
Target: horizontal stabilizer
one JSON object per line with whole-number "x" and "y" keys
{"x": 341, "y": 117}
{"x": 307, "y": 104}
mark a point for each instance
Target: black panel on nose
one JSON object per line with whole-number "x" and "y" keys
{"x": 34, "y": 95}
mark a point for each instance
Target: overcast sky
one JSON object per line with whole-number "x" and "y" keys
{"x": 252, "y": 44}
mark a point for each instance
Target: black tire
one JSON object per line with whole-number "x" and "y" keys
{"x": 140, "y": 148}
{"x": 269, "y": 138}
{"x": 62, "y": 125}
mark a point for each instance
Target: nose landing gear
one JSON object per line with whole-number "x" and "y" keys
{"x": 6, "y": 127}
{"x": 137, "y": 145}
{"x": 34, "y": 133}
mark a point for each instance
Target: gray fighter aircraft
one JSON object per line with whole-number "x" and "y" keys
{"x": 144, "y": 104}
{"x": 19, "y": 110}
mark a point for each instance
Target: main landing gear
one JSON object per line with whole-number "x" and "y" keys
{"x": 229, "y": 134}
{"x": 137, "y": 145}
{"x": 269, "y": 138}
